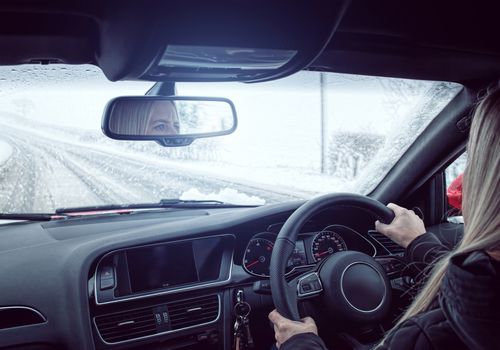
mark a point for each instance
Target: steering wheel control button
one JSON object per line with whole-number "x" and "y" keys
{"x": 309, "y": 285}
{"x": 107, "y": 278}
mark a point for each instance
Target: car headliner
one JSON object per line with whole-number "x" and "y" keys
{"x": 444, "y": 40}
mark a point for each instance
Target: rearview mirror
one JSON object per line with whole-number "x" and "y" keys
{"x": 171, "y": 121}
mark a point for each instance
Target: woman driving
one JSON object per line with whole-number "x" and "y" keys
{"x": 459, "y": 305}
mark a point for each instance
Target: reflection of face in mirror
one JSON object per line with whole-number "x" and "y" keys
{"x": 145, "y": 118}
{"x": 163, "y": 119}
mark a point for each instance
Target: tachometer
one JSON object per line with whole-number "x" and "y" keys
{"x": 326, "y": 243}
{"x": 258, "y": 256}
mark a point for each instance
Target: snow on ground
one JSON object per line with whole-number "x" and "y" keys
{"x": 5, "y": 152}
{"x": 228, "y": 195}
{"x": 297, "y": 182}
{"x": 52, "y": 171}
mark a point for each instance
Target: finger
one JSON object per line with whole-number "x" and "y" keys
{"x": 308, "y": 320}
{"x": 396, "y": 209}
{"x": 415, "y": 214}
{"x": 380, "y": 227}
{"x": 276, "y": 318}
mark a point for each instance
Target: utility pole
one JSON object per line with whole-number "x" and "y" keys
{"x": 322, "y": 89}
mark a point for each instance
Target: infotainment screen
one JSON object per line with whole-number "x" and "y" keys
{"x": 166, "y": 266}
{"x": 161, "y": 266}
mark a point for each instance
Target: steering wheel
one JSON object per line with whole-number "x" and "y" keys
{"x": 351, "y": 285}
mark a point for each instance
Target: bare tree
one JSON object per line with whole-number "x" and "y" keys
{"x": 349, "y": 152}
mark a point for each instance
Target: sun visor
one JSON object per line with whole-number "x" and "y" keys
{"x": 179, "y": 62}
{"x": 236, "y": 41}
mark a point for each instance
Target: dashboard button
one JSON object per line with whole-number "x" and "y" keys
{"x": 107, "y": 283}
{"x": 107, "y": 272}
{"x": 107, "y": 278}
{"x": 262, "y": 287}
{"x": 158, "y": 319}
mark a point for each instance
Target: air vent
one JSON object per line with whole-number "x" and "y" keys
{"x": 127, "y": 325}
{"x": 387, "y": 243}
{"x": 17, "y": 316}
{"x": 192, "y": 312}
{"x": 158, "y": 319}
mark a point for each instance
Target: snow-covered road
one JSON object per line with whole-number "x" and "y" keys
{"x": 44, "y": 173}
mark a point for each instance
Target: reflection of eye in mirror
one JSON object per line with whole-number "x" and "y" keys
{"x": 139, "y": 117}
{"x": 163, "y": 117}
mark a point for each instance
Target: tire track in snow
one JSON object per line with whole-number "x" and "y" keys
{"x": 65, "y": 174}
{"x": 18, "y": 172}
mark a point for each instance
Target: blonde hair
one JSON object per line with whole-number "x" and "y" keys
{"x": 132, "y": 117}
{"x": 481, "y": 199}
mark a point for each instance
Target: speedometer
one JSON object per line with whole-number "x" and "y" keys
{"x": 325, "y": 244}
{"x": 258, "y": 256}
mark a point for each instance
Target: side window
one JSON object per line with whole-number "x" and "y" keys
{"x": 453, "y": 178}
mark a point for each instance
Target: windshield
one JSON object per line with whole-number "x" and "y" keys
{"x": 298, "y": 137}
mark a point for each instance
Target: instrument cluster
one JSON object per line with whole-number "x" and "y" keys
{"x": 310, "y": 248}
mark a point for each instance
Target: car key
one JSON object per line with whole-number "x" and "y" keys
{"x": 237, "y": 343}
{"x": 247, "y": 332}
{"x": 242, "y": 310}
{"x": 240, "y": 333}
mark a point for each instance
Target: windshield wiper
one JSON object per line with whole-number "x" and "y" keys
{"x": 164, "y": 203}
{"x": 174, "y": 201}
{"x": 30, "y": 216}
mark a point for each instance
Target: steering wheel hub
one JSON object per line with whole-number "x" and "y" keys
{"x": 355, "y": 287}
{"x": 362, "y": 287}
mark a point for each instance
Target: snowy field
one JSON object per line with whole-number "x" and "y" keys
{"x": 50, "y": 171}
{"x": 5, "y": 152}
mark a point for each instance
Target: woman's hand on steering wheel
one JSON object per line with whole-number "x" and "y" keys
{"x": 405, "y": 227}
{"x": 284, "y": 328}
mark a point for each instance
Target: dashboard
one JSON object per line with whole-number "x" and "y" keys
{"x": 154, "y": 280}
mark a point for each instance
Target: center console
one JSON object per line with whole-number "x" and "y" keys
{"x": 165, "y": 290}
